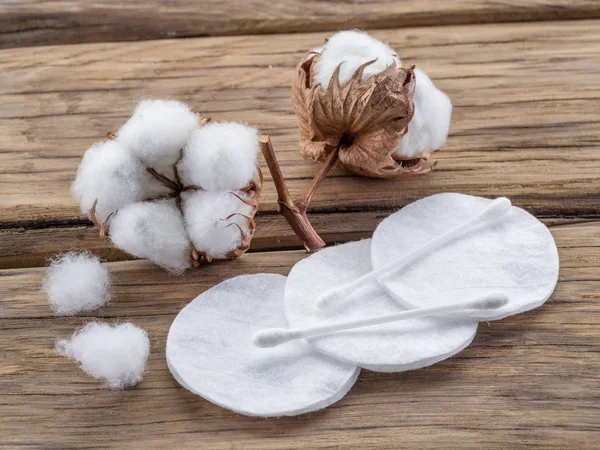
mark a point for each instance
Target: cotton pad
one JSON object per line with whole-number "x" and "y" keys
{"x": 116, "y": 354}
{"x": 393, "y": 347}
{"x": 515, "y": 255}
{"x": 210, "y": 352}
{"x": 76, "y": 282}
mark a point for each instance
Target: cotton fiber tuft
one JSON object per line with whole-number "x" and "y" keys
{"x": 352, "y": 48}
{"x": 429, "y": 126}
{"x": 116, "y": 354}
{"x": 153, "y": 230}
{"x": 157, "y": 132}
{"x": 76, "y": 282}
{"x": 220, "y": 156}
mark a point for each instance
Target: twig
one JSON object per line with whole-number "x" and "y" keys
{"x": 295, "y": 211}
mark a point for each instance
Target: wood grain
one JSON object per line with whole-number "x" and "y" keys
{"x": 37, "y": 22}
{"x": 525, "y": 118}
{"x": 527, "y": 381}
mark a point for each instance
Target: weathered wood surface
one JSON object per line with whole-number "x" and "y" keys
{"x": 525, "y": 120}
{"x": 528, "y": 380}
{"x": 525, "y": 125}
{"x": 43, "y": 22}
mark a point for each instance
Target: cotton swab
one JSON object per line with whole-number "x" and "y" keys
{"x": 496, "y": 210}
{"x": 272, "y": 337}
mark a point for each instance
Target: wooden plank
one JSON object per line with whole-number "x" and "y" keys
{"x": 36, "y": 22}
{"x": 525, "y": 119}
{"x": 527, "y": 381}
{"x": 21, "y": 247}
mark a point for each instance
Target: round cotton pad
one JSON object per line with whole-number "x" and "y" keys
{"x": 210, "y": 352}
{"x": 393, "y": 347}
{"x": 515, "y": 255}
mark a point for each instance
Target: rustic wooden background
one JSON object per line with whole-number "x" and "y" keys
{"x": 524, "y": 76}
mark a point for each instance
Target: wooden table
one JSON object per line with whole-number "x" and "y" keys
{"x": 524, "y": 77}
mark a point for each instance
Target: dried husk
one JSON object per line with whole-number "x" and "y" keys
{"x": 251, "y": 197}
{"x": 369, "y": 118}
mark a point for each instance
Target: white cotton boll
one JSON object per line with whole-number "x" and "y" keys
{"x": 111, "y": 174}
{"x": 76, "y": 282}
{"x": 353, "y": 48}
{"x": 153, "y": 230}
{"x": 157, "y": 131}
{"x": 220, "y": 156}
{"x": 116, "y": 354}
{"x": 208, "y": 222}
{"x": 428, "y": 129}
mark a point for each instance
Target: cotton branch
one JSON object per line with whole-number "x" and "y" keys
{"x": 295, "y": 211}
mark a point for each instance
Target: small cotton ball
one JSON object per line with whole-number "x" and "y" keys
{"x": 116, "y": 354}
{"x": 113, "y": 176}
{"x": 215, "y": 221}
{"x": 220, "y": 156}
{"x": 153, "y": 230}
{"x": 157, "y": 131}
{"x": 352, "y": 49}
{"x": 428, "y": 129}
{"x": 76, "y": 282}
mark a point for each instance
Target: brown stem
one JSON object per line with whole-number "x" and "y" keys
{"x": 295, "y": 211}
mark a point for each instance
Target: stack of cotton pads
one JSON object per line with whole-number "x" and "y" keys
{"x": 267, "y": 345}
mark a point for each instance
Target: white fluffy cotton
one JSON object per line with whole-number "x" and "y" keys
{"x": 220, "y": 156}
{"x": 428, "y": 129}
{"x": 352, "y": 48}
{"x": 153, "y": 230}
{"x": 210, "y": 223}
{"x": 111, "y": 174}
{"x": 116, "y": 354}
{"x": 76, "y": 282}
{"x": 157, "y": 131}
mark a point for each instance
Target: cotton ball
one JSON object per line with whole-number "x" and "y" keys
{"x": 352, "y": 49}
{"x": 157, "y": 131}
{"x": 113, "y": 176}
{"x": 220, "y": 156}
{"x": 210, "y": 223}
{"x": 76, "y": 282}
{"x": 428, "y": 129}
{"x": 116, "y": 354}
{"x": 153, "y": 230}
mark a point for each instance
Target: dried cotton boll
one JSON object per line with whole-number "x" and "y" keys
{"x": 116, "y": 354}
{"x": 216, "y": 221}
{"x": 157, "y": 131}
{"x": 428, "y": 129}
{"x": 352, "y": 48}
{"x": 220, "y": 156}
{"x": 76, "y": 282}
{"x": 113, "y": 176}
{"x": 153, "y": 230}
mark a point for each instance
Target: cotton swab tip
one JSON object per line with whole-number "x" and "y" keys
{"x": 492, "y": 301}
{"x": 271, "y": 337}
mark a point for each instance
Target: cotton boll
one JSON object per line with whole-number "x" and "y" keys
{"x": 428, "y": 129}
{"x": 220, "y": 156}
{"x": 157, "y": 131}
{"x": 76, "y": 282}
{"x": 210, "y": 224}
{"x": 116, "y": 354}
{"x": 113, "y": 176}
{"x": 153, "y": 230}
{"x": 352, "y": 48}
